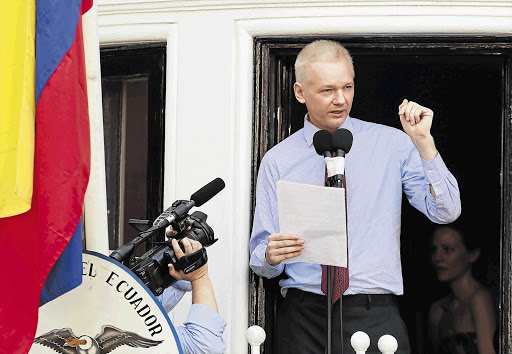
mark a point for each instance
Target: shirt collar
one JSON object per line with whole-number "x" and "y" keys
{"x": 310, "y": 129}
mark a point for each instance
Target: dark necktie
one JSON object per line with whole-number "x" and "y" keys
{"x": 337, "y": 273}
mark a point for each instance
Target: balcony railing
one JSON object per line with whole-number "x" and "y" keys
{"x": 360, "y": 341}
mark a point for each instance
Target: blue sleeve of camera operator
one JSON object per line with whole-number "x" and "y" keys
{"x": 173, "y": 294}
{"x": 202, "y": 332}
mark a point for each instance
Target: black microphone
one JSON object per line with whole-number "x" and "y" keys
{"x": 322, "y": 141}
{"x": 341, "y": 143}
{"x": 178, "y": 211}
{"x": 207, "y": 192}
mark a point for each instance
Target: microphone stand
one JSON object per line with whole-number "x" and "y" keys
{"x": 329, "y": 311}
{"x": 324, "y": 143}
{"x": 328, "y": 347}
{"x": 337, "y": 183}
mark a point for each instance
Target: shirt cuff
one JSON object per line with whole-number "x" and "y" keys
{"x": 264, "y": 269}
{"x": 184, "y": 285}
{"x": 435, "y": 170}
{"x": 206, "y": 317}
{"x": 170, "y": 298}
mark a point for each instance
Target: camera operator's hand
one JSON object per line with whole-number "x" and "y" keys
{"x": 202, "y": 290}
{"x": 171, "y": 232}
{"x": 190, "y": 247}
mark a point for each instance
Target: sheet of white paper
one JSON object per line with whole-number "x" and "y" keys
{"x": 316, "y": 214}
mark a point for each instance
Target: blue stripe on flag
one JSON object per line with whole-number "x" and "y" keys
{"x": 63, "y": 276}
{"x": 55, "y": 33}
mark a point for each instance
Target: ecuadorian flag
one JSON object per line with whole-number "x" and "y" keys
{"x": 42, "y": 180}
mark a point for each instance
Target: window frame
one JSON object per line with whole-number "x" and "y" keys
{"x": 147, "y": 61}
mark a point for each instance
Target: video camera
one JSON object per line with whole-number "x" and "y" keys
{"x": 152, "y": 267}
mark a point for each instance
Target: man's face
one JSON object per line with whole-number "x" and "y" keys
{"x": 328, "y": 93}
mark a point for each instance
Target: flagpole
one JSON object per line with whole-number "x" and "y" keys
{"x": 95, "y": 204}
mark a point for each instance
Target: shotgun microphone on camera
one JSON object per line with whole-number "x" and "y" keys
{"x": 197, "y": 199}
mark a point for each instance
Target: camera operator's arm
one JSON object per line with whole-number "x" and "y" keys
{"x": 202, "y": 332}
{"x": 173, "y": 294}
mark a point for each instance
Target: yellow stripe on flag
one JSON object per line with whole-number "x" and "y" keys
{"x": 17, "y": 105}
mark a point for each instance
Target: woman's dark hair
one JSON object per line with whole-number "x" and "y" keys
{"x": 468, "y": 239}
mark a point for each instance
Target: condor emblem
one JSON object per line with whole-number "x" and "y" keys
{"x": 64, "y": 341}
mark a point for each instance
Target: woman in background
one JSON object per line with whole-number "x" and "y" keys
{"x": 463, "y": 322}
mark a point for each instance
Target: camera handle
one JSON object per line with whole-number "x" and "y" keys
{"x": 125, "y": 253}
{"x": 190, "y": 262}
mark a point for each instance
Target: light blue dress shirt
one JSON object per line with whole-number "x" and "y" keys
{"x": 202, "y": 332}
{"x": 381, "y": 166}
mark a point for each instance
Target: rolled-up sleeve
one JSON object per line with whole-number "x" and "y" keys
{"x": 418, "y": 174}
{"x": 445, "y": 207}
{"x": 173, "y": 294}
{"x": 202, "y": 332}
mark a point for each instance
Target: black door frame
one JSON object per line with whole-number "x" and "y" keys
{"x": 269, "y": 128}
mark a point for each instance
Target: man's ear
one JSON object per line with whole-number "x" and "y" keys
{"x": 298, "y": 89}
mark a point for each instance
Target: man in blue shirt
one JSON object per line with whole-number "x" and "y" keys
{"x": 383, "y": 164}
{"x": 202, "y": 332}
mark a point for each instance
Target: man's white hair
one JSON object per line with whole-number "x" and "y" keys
{"x": 321, "y": 50}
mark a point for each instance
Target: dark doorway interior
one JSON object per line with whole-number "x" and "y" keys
{"x": 466, "y": 91}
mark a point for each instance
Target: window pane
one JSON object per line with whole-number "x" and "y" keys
{"x": 112, "y": 118}
{"x": 136, "y": 152}
{"x": 133, "y": 82}
{"x": 125, "y": 106}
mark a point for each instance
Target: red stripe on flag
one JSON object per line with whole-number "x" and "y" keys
{"x": 86, "y": 5}
{"x": 32, "y": 242}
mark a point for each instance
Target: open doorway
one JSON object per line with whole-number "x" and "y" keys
{"x": 466, "y": 83}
